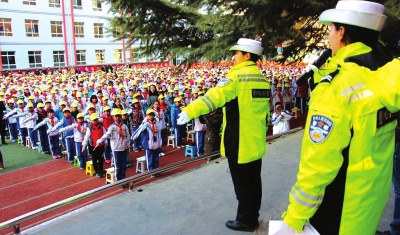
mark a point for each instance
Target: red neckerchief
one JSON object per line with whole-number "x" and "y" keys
{"x": 36, "y": 95}
{"x": 158, "y": 113}
{"x": 79, "y": 128}
{"x": 69, "y": 120}
{"x": 52, "y": 120}
{"x": 119, "y": 126}
{"x": 154, "y": 130}
{"x": 54, "y": 100}
{"x": 43, "y": 114}
{"x": 66, "y": 100}
{"x": 80, "y": 102}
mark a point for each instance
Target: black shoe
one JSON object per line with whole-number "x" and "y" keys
{"x": 123, "y": 186}
{"x": 98, "y": 175}
{"x": 383, "y": 232}
{"x": 4, "y": 143}
{"x": 236, "y": 225}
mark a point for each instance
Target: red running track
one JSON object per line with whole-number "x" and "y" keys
{"x": 31, "y": 188}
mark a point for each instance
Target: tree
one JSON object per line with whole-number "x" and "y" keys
{"x": 207, "y": 28}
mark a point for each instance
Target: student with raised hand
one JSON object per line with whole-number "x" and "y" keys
{"x": 120, "y": 140}
{"x": 50, "y": 121}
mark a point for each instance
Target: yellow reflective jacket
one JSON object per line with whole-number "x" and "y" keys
{"x": 245, "y": 95}
{"x": 345, "y": 168}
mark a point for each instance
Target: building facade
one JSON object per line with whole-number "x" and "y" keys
{"x": 58, "y": 33}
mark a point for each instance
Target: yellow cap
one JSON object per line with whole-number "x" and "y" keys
{"x": 279, "y": 85}
{"x": 181, "y": 93}
{"x": 136, "y": 95}
{"x": 135, "y": 101}
{"x": 104, "y": 98}
{"x": 145, "y": 86}
{"x": 93, "y": 116}
{"x": 74, "y": 105}
{"x": 201, "y": 93}
{"x": 80, "y": 115}
{"x": 177, "y": 99}
{"x": 11, "y": 101}
{"x": 40, "y": 105}
{"x": 106, "y": 108}
{"x": 1, "y": 93}
{"x": 29, "y": 105}
{"x": 170, "y": 91}
{"x": 79, "y": 94}
{"x": 64, "y": 93}
{"x": 176, "y": 89}
{"x": 194, "y": 92}
{"x": 20, "y": 102}
{"x": 90, "y": 106}
{"x": 187, "y": 86}
{"x": 63, "y": 103}
{"x": 1, "y": 99}
{"x": 85, "y": 92}
{"x": 53, "y": 91}
{"x": 160, "y": 97}
{"x": 116, "y": 112}
{"x": 150, "y": 111}
{"x": 123, "y": 112}
{"x": 66, "y": 109}
{"x": 31, "y": 97}
{"x": 48, "y": 101}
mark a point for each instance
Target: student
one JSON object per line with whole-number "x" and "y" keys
{"x": 107, "y": 120}
{"x": 136, "y": 117}
{"x": 280, "y": 119}
{"x": 23, "y": 132}
{"x": 1, "y": 161}
{"x": 38, "y": 117}
{"x": 12, "y": 122}
{"x": 53, "y": 139}
{"x": 94, "y": 132}
{"x": 118, "y": 134}
{"x": 150, "y": 131}
{"x": 68, "y": 135}
{"x": 175, "y": 110}
{"x": 79, "y": 128}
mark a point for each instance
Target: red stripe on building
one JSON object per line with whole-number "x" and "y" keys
{"x": 123, "y": 50}
{"x": 1, "y": 60}
{"x": 73, "y": 30}
{"x": 65, "y": 31}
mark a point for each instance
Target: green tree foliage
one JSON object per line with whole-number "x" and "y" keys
{"x": 207, "y": 28}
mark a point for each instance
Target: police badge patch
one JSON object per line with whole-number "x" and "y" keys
{"x": 223, "y": 81}
{"x": 320, "y": 128}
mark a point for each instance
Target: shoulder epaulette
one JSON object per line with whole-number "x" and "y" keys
{"x": 328, "y": 78}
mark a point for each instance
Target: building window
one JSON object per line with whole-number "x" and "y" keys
{"x": 77, "y": 4}
{"x": 59, "y": 58}
{"x": 29, "y": 2}
{"x": 4, "y": 1}
{"x": 100, "y": 58}
{"x": 8, "y": 59}
{"x": 54, "y": 3}
{"x": 81, "y": 57}
{"x": 32, "y": 28}
{"x": 79, "y": 32}
{"x": 135, "y": 56}
{"x": 5, "y": 27}
{"x": 117, "y": 56}
{"x": 35, "y": 59}
{"x": 96, "y": 5}
{"x": 98, "y": 30}
{"x": 56, "y": 29}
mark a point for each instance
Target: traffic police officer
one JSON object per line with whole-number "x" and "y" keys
{"x": 345, "y": 168}
{"x": 244, "y": 94}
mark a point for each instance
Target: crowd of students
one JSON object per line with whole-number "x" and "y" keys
{"x": 99, "y": 113}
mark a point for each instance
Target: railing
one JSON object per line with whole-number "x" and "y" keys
{"x": 15, "y": 222}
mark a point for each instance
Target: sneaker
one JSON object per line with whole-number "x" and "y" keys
{"x": 81, "y": 168}
{"x": 178, "y": 147}
{"x": 34, "y": 147}
{"x": 183, "y": 146}
{"x": 108, "y": 161}
{"x": 136, "y": 150}
{"x": 55, "y": 157}
{"x": 162, "y": 154}
{"x": 1, "y": 167}
{"x": 72, "y": 162}
{"x": 98, "y": 175}
{"x": 58, "y": 156}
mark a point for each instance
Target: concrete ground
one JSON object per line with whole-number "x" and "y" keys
{"x": 196, "y": 202}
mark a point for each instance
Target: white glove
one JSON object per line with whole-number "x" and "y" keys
{"x": 182, "y": 118}
{"x": 286, "y": 230}
{"x": 311, "y": 67}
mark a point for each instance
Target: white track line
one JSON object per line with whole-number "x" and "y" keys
{"x": 46, "y": 193}
{"x": 40, "y": 177}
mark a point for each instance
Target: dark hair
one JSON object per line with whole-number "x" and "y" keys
{"x": 278, "y": 103}
{"x": 93, "y": 97}
{"x": 50, "y": 111}
{"x": 253, "y": 57}
{"x": 369, "y": 37}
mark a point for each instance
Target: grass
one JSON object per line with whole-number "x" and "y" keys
{"x": 16, "y": 156}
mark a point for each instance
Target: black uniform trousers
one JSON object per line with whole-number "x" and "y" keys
{"x": 97, "y": 158}
{"x": 3, "y": 131}
{"x": 246, "y": 180}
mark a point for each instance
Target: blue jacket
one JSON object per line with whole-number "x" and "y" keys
{"x": 175, "y": 110}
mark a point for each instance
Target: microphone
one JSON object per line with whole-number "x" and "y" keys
{"x": 318, "y": 63}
